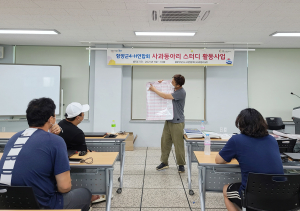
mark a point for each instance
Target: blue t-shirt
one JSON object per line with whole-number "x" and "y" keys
{"x": 42, "y": 157}
{"x": 256, "y": 155}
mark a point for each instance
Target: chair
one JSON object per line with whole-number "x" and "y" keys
{"x": 286, "y": 145}
{"x": 16, "y": 197}
{"x": 272, "y": 192}
{"x": 275, "y": 123}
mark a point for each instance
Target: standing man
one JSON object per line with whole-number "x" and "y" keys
{"x": 173, "y": 129}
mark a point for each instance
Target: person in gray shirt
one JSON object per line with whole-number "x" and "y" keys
{"x": 173, "y": 129}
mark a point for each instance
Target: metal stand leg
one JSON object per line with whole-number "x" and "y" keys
{"x": 122, "y": 162}
{"x": 201, "y": 177}
{"x": 189, "y": 166}
{"x": 109, "y": 185}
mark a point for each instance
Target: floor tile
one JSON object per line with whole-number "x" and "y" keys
{"x": 116, "y": 209}
{"x": 194, "y": 178}
{"x": 130, "y": 169}
{"x": 151, "y": 170}
{"x": 164, "y": 198}
{"x": 154, "y": 148}
{"x": 140, "y": 160}
{"x": 140, "y": 148}
{"x": 213, "y": 199}
{"x": 129, "y": 181}
{"x": 165, "y": 209}
{"x": 135, "y": 153}
{"x": 162, "y": 181}
{"x": 155, "y": 153}
{"x": 156, "y": 161}
{"x": 128, "y": 198}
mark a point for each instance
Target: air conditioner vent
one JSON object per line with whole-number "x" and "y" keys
{"x": 182, "y": 16}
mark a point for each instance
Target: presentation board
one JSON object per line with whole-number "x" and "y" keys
{"x": 19, "y": 84}
{"x": 194, "y": 87}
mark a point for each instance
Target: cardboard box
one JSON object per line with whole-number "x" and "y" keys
{"x": 130, "y": 141}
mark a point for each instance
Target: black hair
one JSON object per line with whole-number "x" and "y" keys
{"x": 73, "y": 118}
{"x": 179, "y": 79}
{"x": 251, "y": 123}
{"x": 39, "y": 111}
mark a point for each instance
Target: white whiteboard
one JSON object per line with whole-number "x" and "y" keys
{"x": 272, "y": 75}
{"x": 194, "y": 86}
{"x": 19, "y": 84}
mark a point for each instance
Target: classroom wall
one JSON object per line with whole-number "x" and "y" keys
{"x": 110, "y": 98}
{"x": 107, "y": 92}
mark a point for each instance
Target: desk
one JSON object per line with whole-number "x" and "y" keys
{"x": 194, "y": 144}
{"x": 101, "y": 144}
{"x": 4, "y": 137}
{"x": 98, "y": 144}
{"x": 100, "y": 182}
{"x": 213, "y": 177}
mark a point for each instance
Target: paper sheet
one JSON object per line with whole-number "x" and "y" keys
{"x": 159, "y": 108}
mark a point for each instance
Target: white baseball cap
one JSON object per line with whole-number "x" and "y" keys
{"x": 74, "y": 109}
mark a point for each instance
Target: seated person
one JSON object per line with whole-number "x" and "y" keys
{"x": 255, "y": 150}
{"x": 74, "y": 136}
{"x": 42, "y": 161}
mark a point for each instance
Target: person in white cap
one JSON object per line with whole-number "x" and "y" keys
{"x": 74, "y": 136}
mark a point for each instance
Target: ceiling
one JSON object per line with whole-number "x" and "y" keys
{"x": 88, "y": 22}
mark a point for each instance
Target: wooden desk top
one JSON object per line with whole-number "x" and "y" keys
{"x": 6, "y": 135}
{"x": 119, "y": 137}
{"x": 202, "y": 139}
{"x": 210, "y": 159}
{"x": 99, "y": 159}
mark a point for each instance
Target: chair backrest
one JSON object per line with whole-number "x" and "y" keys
{"x": 16, "y": 197}
{"x": 286, "y": 145}
{"x": 272, "y": 192}
{"x": 275, "y": 123}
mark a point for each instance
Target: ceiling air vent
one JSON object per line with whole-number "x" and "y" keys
{"x": 181, "y": 13}
{"x": 177, "y": 15}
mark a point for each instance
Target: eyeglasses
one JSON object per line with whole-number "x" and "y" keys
{"x": 121, "y": 132}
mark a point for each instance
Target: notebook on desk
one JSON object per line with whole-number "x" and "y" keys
{"x": 293, "y": 156}
{"x": 95, "y": 134}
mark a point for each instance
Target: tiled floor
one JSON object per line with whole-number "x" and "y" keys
{"x": 146, "y": 189}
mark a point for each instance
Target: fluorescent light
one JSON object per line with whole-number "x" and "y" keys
{"x": 286, "y": 34}
{"x": 165, "y": 33}
{"x": 27, "y": 31}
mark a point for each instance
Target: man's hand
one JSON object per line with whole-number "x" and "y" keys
{"x": 55, "y": 129}
{"x": 152, "y": 88}
{"x": 160, "y": 81}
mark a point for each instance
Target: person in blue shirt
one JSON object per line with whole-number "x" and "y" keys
{"x": 39, "y": 159}
{"x": 255, "y": 150}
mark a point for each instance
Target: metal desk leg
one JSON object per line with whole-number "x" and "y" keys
{"x": 109, "y": 186}
{"x": 189, "y": 166}
{"x": 201, "y": 180}
{"x": 122, "y": 162}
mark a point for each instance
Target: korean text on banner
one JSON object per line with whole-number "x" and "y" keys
{"x": 159, "y": 108}
{"x": 170, "y": 57}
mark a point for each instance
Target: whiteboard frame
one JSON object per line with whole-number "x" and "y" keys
{"x": 60, "y": 71}
{"x": 186, "y": 120}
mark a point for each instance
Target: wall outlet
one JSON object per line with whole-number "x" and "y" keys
{"x": 225, "y": 129}
{"x": 221, "y": 129}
